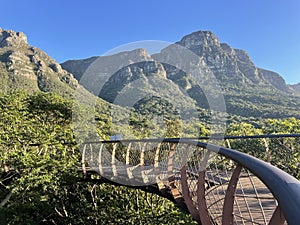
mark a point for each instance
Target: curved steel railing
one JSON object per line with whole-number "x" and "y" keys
{"x": 216, "y": 184}
{"x": 285, "y": 188}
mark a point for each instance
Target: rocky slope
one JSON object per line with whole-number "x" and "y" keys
{"x": 29, "y": 68}
{"x": 129, "y": 78}
{"x": 248, "y": 91}
{"x": 296, "y": 87}
{"x": 231, "y": 65}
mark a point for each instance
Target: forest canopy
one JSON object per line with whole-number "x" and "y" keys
{"x": 39, "y": 182}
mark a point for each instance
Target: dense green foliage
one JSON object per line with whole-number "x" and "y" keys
{"x": 39, "y": 182}
{"x": 261, "y": 103}
{"x": 281, "y": 152}
{"x": 39, "y": 157}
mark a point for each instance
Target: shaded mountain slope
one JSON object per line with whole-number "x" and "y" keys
{"x": 248, "y": 91}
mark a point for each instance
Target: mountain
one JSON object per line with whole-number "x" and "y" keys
{"x": 296, "y": 87}
{"x": 24, "y": 67}
{"x": 29, "y": 68}
{"x": 132, "y": 79}
{"x": 229, "y": 65}
{"x": 248, "y": 91}
{"x": 175, "y": 78}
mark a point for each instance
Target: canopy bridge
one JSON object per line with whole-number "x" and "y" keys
{"x": 214, "y": 183}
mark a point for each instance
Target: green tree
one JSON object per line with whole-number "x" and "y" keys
{"x": 285, "y": 152}
{"x": 38, "y": 173}
{"x": 173, "y": 128}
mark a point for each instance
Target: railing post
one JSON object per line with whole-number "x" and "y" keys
{"x": 83, "y": 166}
{"x": 113, "y": 160}
{"x": 127, "y": 158}
{"x": 227, "y": 218}
{"x": 100, "y": 160}
{"x": 142, "y": 155}
{"x": 268, "y": 152}
{"x": 186, "y": 195}
{"x": 278, "y": 217}
{"x": 202, "y": 206}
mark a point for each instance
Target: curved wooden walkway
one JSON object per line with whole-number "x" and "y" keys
{"x": 216, "y": 185}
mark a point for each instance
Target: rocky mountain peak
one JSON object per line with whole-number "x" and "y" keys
{"x": 141, "y": 53}
{"x": 199, "y": 38}
{"x": 226, "y": 48}
{"x": 275, "y": 80}
{"x": 25, "y": 67}
{"x": 12, "y": 38}
{"x": 106, "y": 64}
{"x": 135, "y": 55}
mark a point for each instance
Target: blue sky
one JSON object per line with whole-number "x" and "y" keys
{"x": 269, "y": 30}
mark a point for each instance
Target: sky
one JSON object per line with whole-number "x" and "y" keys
{"x": 269, "y": 30}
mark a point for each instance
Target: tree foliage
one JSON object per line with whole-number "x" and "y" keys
{"x": 39, "y": 179}
{"x": 281, "y": 152}
{"x": 39, "y": 159}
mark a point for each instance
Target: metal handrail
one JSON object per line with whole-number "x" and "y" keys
{"x": 212, "y": 137}
{"x": 284, "y": 187}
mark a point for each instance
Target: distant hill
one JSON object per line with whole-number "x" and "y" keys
{"x": 296, "y": 87}
{"x": 249, "y": 92}
{"x": 29, "y": 68}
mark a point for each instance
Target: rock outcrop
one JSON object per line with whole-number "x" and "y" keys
{"x": 275, "y": 80}
{"x": 9, "y": 38}
{"x": 25, "y": 67}
{"x": 248, "y": 91}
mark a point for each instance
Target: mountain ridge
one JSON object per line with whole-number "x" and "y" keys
{"x": 214, "y": 51}
{"x": 249, "y": 91}
{"x": 26, "y": 67}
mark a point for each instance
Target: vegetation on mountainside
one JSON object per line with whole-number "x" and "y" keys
{"x": 23, "y": 67}
{"x": 39, "y": 157}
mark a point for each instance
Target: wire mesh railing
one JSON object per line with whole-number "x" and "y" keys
{"x": 216, "y": 184}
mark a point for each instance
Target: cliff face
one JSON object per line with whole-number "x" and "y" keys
{"x": 231, "y": 65}
{"x": 25, "y": 67}
{"x": 248, "y": 91}
{"x": 127, "y": 78}
{"x": 10, "y": 38}
{"x": 107, "y": 64}
{"x": 275, "y": 80}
